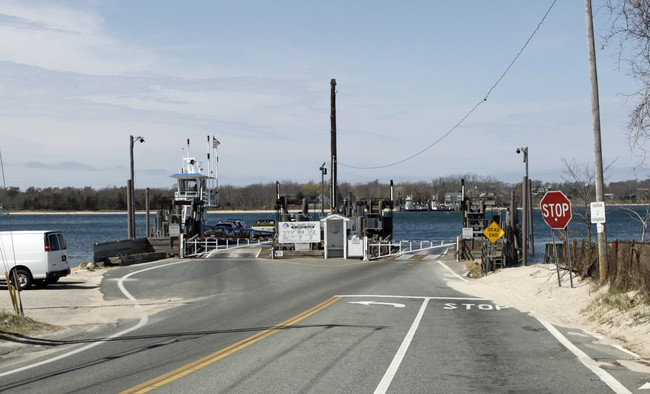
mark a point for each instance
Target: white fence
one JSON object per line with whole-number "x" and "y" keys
{"x": 377, "y": 250}
{"x": 197, "y": 246}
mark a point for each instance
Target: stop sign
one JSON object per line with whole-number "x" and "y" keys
{"x": 556, "y": 210}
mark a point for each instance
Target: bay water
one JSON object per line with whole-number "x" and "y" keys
{"x": 83, "y": 230}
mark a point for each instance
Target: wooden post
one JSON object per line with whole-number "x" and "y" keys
{"x": 148, "y": 225}
{"x": 524, "y": 227}
{"x": 530, "y": 217}
{"x": 129, "y": 204}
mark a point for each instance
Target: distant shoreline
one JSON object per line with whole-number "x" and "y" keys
{"x": 119, "y": 212}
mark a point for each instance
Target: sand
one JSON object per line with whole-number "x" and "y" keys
{"x": 535, "y": 290}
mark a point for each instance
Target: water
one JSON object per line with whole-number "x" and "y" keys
{"x": 84, "y": 230}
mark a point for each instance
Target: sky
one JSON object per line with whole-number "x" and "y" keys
{"x": 78, "y": 78}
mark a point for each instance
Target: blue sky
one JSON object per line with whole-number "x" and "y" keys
{"x": 77, "y": 78}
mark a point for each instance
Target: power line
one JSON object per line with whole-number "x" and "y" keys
{"x": 471, "y": 110}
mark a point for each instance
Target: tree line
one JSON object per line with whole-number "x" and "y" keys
{"x": 263, "y": 195}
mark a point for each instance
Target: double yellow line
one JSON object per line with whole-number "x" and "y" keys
{"x": 207, "y": 360}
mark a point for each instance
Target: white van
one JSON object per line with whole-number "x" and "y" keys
{"x": 38, "y": 257}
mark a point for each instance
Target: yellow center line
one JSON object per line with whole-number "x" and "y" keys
{"x": 218, "y": 355}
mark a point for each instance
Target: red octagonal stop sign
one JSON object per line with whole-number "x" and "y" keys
{"x": 556, "y": 210}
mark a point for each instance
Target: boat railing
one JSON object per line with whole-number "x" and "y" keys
{"x": 378, "y": 250}
{"x": 190, "y": 195}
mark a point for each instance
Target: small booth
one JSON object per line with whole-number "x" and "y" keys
{"x": 335, "y": 228}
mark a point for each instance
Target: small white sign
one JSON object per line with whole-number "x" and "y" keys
{"x": 298, "y": 232}
{"x": 598, "y": 212}
{"x": 468, "y": 232}
{"x": 174, "y": 230}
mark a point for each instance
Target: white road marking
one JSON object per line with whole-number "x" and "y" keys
{"x": 143, "y": 321}
{"x": 452, "y": 271}
{"x": 412, "y": 297}
{"x": 401, "y": 352}
{"x": 619, "y": 347}
{"x": 368, "y": 303}
{"x": 585, "y": 359}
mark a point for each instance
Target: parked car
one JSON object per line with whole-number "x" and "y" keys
{"x": 36, "y": 257}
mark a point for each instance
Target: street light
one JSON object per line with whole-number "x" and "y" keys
{"x": 132, "y": 140}
{"x": 525, "y": 151}
{"x": 323, "y": 172}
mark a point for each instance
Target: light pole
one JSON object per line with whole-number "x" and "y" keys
{"x": 525, "y": 208}
{"x": 323, "y": 172}
{"x": 131, "y": 207}
{"x": 525, "y": 152}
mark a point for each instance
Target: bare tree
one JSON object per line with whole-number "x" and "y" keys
{"x": 579, "y": 178}
{"x": 630, "y": 31}
{"x": 641, "y": 218}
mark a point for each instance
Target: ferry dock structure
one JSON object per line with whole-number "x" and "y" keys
{"x": 353, "y": 228}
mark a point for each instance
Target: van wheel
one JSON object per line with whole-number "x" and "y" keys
{"x": 24, "y": 278}
{"x": 41, "y": 283}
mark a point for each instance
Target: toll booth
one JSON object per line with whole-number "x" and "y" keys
{"x": 335, "y": 228}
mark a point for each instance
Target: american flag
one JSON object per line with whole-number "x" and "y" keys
{"x": 215, "y": 142}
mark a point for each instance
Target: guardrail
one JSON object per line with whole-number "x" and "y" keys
{"x": 377, "y": 250}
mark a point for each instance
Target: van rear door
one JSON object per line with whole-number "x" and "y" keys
{"x": 56, "y": 252}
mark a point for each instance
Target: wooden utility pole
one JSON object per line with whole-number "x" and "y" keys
{"x": 530, "y": 215}
{"x": 524, "y": 217}
{"x": 333, "y": 166}
{"x": 598, "y": 153}
{"x": 129, "y": 209}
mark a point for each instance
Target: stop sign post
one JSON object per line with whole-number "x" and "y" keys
{"x": 556, "y": 212}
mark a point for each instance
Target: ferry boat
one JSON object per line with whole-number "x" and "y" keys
{"x": 196, "y": 191}
{"x": 410, "y": 206}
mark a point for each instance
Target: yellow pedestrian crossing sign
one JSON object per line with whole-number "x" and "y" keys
{"x": 493, "y": 232}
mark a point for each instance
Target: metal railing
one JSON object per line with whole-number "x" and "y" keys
{"x": 197, "y": 246}
{"x": 377, "y": 250}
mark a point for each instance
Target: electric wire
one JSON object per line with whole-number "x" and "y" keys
{"x": 489, "y": 92}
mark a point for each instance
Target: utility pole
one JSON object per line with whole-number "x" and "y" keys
{"x": 598, "y": 152}
{"x": 131, "y": 199}
{"x": 525, "y": 208}
{"x": 333, "y": 166}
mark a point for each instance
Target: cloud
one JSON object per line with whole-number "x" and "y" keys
{"x": 55, "y": 37}
{"x": 62, "y": 166}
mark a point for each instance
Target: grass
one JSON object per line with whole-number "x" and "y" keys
{"x": 12, "y": 325}
{"x": 615, "y": 307}
{"x": 474, "y": 269}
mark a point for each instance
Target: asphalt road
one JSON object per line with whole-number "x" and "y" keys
{"x": 246, "y": 325}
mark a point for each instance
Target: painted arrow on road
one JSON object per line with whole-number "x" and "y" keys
{"x": 368, "y": 303}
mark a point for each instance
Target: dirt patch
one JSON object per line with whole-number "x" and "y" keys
{"x": 15, "y": 326}
{"x": 74, "y": 300}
